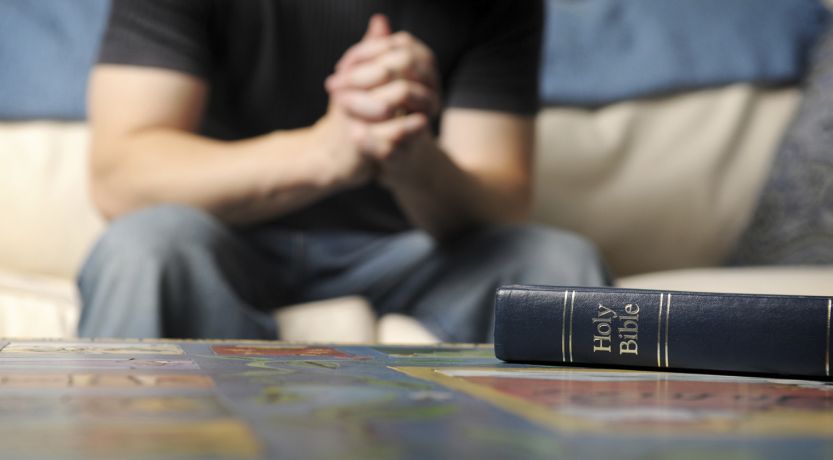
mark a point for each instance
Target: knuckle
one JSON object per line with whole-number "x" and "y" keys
{"x": 406, "y": 58}
{"x": 405, "y": 38}
{"x": 401, "y": 90}
{"x": 398, "y": 60}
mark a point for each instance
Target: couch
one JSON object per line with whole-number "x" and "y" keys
{"x": 663, "y": 185}
{"x": 661, "y": 222}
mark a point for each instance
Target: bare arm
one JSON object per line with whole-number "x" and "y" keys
{"x": 145, "y": 152}
{"x": 477, "y": 174}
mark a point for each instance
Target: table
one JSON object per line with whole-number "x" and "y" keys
{"x": 252, "y": 400}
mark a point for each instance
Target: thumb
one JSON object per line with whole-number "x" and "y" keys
{"x": 378, "y": 27}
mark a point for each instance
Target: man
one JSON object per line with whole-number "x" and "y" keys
{"x": 263, "y": 153}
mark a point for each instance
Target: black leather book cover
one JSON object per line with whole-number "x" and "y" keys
{"x": 735, "y": 333}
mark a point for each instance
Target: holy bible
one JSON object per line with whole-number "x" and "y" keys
{"x": 665, "y": 330}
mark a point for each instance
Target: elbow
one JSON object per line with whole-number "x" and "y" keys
{"x": 109, "y": 199}
{"x": 105, "y": 200}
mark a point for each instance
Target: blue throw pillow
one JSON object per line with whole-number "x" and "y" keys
{"x": 47, "y": 48}
{"x": 603, "y": 51}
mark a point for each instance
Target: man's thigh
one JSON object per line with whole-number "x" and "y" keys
{"x": 449, "y": 287}
{"x": 368, "y": 264}
{"x": 179, "y": 272}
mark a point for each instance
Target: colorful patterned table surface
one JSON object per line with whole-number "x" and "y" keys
{"x": 253, "y": 400}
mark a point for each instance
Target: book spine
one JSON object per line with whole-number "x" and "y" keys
{"x": 738, "y": 333}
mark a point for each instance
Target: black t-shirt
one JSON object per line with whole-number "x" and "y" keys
{"x": 266, "y": 61}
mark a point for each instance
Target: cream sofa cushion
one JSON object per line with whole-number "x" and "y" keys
{"x": 49, "y": 221}
{"x": 399, "y": 329}
{"x": 814, "y": 280}
{"x": 660, "y": 183}
{"x": 37, "y": 306}
{"x": 340, "y": 320}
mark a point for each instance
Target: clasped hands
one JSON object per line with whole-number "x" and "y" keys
{"x": 383, "y": 95}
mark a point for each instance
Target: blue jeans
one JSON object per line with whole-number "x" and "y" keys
{"x": 176, "y": 272}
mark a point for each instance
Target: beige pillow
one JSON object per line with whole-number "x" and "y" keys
{"x": 660, "y": 183}
{"x": 37, "y": 306}
{"x": 781, "y": 280}
{"x": 48, "y": 221}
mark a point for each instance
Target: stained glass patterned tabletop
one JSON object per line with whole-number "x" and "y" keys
{"x": 257, "y": 400}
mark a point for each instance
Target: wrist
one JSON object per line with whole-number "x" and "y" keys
{"x": 322, "y": 151}
{"x": 415, "y": 166}
{"x": 336, "y": 164}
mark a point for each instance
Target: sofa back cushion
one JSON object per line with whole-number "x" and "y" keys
{"x": 660, "y": 183}
{"x": 46, "y": 50}
{"x": 603, "y": 51}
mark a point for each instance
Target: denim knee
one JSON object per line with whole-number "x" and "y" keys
{"x": 546, "y": 255}
{"x": 157, "y": 234}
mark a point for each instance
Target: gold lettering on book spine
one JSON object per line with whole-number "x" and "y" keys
{"x": 572, "y": 306}
{"x": 659, "y": 331}
{"x": 827, "y": 342}
{"x": 667, "y": 331}
{"x": 564, "y": 329}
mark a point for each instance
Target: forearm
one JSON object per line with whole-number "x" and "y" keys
{"x": 479, "y": 176}
{"x": 444, "y": 198}
{"x": 240, "y": 182}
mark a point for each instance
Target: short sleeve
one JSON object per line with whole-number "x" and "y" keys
{"x": 499, "y": 70}
{"x": 171, "y": 34}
